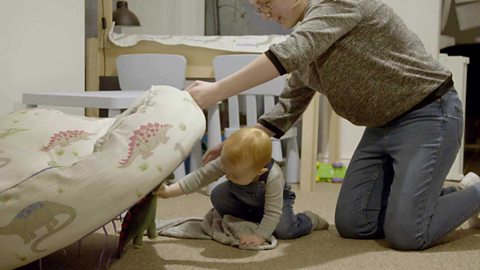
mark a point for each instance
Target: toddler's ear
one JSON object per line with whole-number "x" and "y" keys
{"x": 262, "y": 171}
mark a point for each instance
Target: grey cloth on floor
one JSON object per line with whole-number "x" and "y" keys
{"x": 224, "y": 230}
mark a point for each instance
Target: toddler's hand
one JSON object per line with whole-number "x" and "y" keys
{"x": 168, "y": 191}
{"x": 162, "y": 192}
{"x": 251, "y": 240}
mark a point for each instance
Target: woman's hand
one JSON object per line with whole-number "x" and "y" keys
{"x": 212, "y": 153}
{"x": 205, "y": 94}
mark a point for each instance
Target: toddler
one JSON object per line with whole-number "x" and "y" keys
{"x": 255, "y": 191}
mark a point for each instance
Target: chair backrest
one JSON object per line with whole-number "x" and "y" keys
{"x": 141, "y": 71}
{"x": 257, "y": 100}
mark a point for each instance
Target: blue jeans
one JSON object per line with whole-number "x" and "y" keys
{"x": 247, "y": 202}
{"x": 393, "y": 185}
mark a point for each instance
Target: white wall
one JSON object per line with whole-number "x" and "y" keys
{"x": 423, "y": 17}
{"x": 167, "y": 17}
{"x": 41, "y": 48}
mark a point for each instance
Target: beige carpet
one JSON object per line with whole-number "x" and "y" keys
{"x": 319, "y": 250}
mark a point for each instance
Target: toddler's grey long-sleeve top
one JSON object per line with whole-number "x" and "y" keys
{"x": 358, "y": 53}
{"x": 274, "y": 186}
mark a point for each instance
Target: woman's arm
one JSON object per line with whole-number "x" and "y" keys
{"x": 291, "y": 104}
{"x": 255, "y": 73}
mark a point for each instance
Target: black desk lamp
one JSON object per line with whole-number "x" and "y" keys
{"x": 122, "y": 16}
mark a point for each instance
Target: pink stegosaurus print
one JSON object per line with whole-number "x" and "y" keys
{"x": 65, "y": 138}
{"x": 144, "y": 140}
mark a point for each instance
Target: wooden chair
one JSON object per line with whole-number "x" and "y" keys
{"x": 141, "y": 71}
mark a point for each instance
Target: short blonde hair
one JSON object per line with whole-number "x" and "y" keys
{"x": 250, "y": 147}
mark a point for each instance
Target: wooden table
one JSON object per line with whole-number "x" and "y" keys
{"x": 114, "y": 101}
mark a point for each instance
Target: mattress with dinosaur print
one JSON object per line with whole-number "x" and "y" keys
{"x": 63, "y": 176}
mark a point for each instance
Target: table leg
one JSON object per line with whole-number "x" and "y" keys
{"x": 214, "y": 134}
{"x": 113, "y": 112}
{"x": 309, "y": 144}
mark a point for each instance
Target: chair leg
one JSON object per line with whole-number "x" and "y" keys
{"x": 179, "y": 172}
{"x": 277, "y": 150}
{"x": 292, "y": 162}
{"x": 114, "y": 112}
{"x": 196, "y": 156}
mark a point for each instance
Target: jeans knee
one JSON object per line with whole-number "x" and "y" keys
{"x": 215, "y": 195}
{"x": 220, "y": 199}
{"x": 357, "y": 226}
{"x": 347, "y": 226}
{"x": 218, "y": 206}
{"x": 402, "y": 236}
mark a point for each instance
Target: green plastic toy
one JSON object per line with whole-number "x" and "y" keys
{"x": 325, "y": 172}
{"x": 330, "y": 172}
{"x": 339, "y": 171}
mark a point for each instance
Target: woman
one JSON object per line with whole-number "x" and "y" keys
{"x": 376, "y": 73}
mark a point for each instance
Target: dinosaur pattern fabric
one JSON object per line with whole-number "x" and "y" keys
{"x": 63, "y": 176}
{"x": 36, "y": 216}
{"x": 144, "y": 140}
{"x": 65, "y": 138}
{"x": 35, "y": 139}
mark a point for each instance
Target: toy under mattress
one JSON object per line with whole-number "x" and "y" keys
{"x": 64, "y": 176}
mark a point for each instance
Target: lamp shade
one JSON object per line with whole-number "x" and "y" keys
{"x": 123, "y": 16}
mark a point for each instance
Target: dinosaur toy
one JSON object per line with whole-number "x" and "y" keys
{"x": 139, "y": 218}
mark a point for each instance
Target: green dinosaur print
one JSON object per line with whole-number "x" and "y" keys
{"x": 37, "y": 216}
{"x": 181, "y": 150}
{"x": 11, "y": 131}
{"x": 4, "y": 161}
